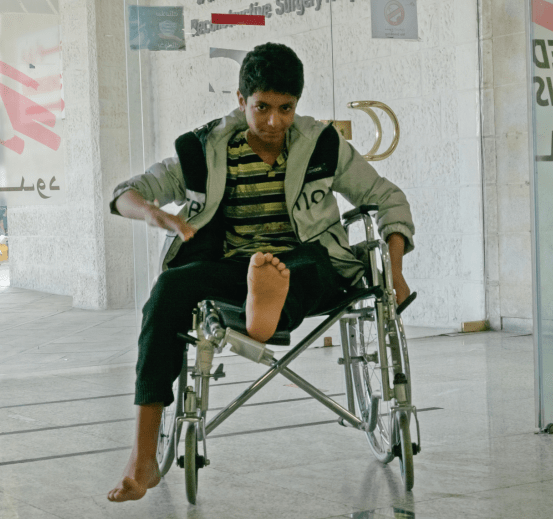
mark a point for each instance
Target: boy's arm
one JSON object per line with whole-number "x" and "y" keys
{"x": 360, "y": 184}
{"x": 163, "y": 182}
{"x": 140, "y": 197}
{"x": 131, "y": 204}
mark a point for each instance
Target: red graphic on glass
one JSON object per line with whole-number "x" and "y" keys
{"x": 24, "y": 113}
{"x": 45, "y": 85}
{"x": 542, "y": 14}
{"x": 238, "y": 19}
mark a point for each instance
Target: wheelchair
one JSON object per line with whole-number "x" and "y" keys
{"x": 374, "y": 357}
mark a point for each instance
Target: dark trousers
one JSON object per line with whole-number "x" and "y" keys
{"x": 313, "y": 284}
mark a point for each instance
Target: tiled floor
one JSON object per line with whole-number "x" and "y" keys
{"x": 66, "y": 426}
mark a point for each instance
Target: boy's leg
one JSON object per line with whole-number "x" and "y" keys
{"x": 314, "y": 284}
{"x": 167, "y": 312}
{"x": 142, "y": 470}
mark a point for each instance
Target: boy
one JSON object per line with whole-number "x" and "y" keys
{"x": 260, "y": 226}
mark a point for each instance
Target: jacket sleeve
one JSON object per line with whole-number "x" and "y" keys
{"x": 163, "y": 182}
{"x": 360, "y": 184}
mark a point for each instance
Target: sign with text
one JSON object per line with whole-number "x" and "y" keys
{"x": 395, "y": 19}
{"x": 156, "y": 28}
{"x": 542, "y": 108}
{"x": 277, "y": 7}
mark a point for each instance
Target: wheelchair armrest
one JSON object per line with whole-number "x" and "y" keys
{"x": 355, "y": 214}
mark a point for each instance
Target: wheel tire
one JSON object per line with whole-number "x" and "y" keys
{"x": 190, "y": 463}
{"x": 367, "y": 377}
{"x": 406, "y": 459}
{"x": 166, "y": 437}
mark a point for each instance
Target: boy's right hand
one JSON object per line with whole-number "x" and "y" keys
{"x": 156, "y": 217}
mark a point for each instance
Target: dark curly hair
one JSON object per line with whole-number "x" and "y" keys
{"x": 271, "y": 67}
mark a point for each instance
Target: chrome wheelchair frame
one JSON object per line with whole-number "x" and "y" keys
{"x": 375, "y": 360}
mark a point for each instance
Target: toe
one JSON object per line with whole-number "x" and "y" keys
{"x": 275, "y": 261}
{"x": 285, "y": 273}
{"x": 281, "y": 266}
{"x": 269, "y": 258}
{"x": 257, "y": 259}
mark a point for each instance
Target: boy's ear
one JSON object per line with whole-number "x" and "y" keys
{"x": 241, "y": 101}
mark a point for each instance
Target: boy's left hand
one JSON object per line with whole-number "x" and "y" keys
{"x": 396, "y": 244}
{"x": 401, "y": 288}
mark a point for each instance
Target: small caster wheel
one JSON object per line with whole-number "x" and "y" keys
{"x": 180, "y": 462}
{"x": 190, "y": 463}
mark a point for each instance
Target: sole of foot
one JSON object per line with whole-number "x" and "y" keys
{"x": 268, "y": 284}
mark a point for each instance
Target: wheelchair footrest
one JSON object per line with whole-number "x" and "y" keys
{"x": 248, "y": 347}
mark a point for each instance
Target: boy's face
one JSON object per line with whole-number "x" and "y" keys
{"x": 269, "y": 115}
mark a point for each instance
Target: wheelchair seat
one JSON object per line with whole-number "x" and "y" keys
{"x": 232, "y": 315}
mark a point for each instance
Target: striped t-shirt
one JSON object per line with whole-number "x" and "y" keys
{"x": 256, "y": 218}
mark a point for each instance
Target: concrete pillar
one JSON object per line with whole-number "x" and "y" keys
{"x": 96, "y": 143}
{"x": 78, "y": 248}
{"x": 506, "y": 165}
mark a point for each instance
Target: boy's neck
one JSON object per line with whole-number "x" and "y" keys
{"x": 263, "y": 148}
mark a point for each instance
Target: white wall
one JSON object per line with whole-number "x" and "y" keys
{"x": 432, "y": 85}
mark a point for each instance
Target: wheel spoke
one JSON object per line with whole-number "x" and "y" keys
{"x": 367, "y": 376}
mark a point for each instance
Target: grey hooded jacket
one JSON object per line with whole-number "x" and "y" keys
{"x": 320, "y": 164}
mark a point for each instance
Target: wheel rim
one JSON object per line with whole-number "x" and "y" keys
{"x": 367, "y": 377}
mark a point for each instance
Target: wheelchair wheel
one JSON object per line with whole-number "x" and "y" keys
{"x": 367, "y": 375}
{"x": 406, "y": 457}
{"x": 191, "y": 463}
{"x": 166, "y": 436}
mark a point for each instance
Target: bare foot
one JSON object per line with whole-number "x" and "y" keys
{"x": 268, "y": 283}
{"x": 136, "y": 480}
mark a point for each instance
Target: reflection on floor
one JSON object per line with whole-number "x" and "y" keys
{"x": 66, "y": 426}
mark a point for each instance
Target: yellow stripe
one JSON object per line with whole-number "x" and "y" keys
{"x": 243, "y": 149}
{"x": 263, "y": 228}
{"x": 236, "y": 242}
{"x": 248, "y": 170}
{"x": 249, "y": 190}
